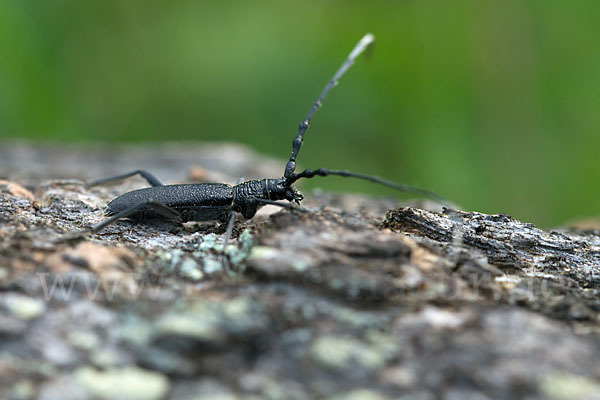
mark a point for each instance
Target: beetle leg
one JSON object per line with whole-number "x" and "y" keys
{"x": 159, "y": 208}
{"x": 151, "y": 179}
{"x": 229, "y": 230}
{"x": 290, "y": 206}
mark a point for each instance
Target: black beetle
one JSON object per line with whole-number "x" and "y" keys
{"x": 219, "y": 201}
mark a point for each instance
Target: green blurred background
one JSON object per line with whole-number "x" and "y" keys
{"x": 493, "y": 104}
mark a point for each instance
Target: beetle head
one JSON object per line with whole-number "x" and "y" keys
{"x": 282, "y": 189}
{"x": 293, "y": 194}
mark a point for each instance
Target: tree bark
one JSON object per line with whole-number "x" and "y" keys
{"x": 364, "y": 298}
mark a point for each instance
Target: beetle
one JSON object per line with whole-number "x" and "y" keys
{"x": 223, "y": 202}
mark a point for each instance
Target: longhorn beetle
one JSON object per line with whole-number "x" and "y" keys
{"x": 222, "y": 202}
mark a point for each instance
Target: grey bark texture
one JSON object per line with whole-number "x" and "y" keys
{"x": 367, "y": 298}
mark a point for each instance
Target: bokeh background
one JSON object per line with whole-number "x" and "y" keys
{"x": 493, "y": 104}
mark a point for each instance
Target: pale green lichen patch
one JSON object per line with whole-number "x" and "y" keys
{"x": 84, "y": 340}
{"x": 217, "y": 396}
{"x": 206, "y": 257}
{"x": 26, "y": 366}
{"x": 359, "y": 394}
{"x": 212, "y": 266}
{"x": 359, "y": 319}
{"x": 190, "y": 269}
{"x": 130, "y": 383}
{"x": 341, "y": 352}
{"x": 569, "y": 386}
{"x": 260, "y": 253}
{"x": 23, "y": 389}
{"x": 23, "y": 307}
{"x": 136, "y": 331}
{"x": 210, "y": 242}
{"x": 202, "y": 322}
{"x": 273, "y": 260}
{"x": 239, "y": 254}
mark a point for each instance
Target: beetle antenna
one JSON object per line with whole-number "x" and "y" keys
{"x": 361, "y": 46}
{"x": 310, "y": 173}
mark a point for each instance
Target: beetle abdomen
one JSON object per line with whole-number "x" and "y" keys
{"x": 195, "y": 202}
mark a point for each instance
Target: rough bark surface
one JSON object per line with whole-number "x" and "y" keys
{"x": 364, "y": 299}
